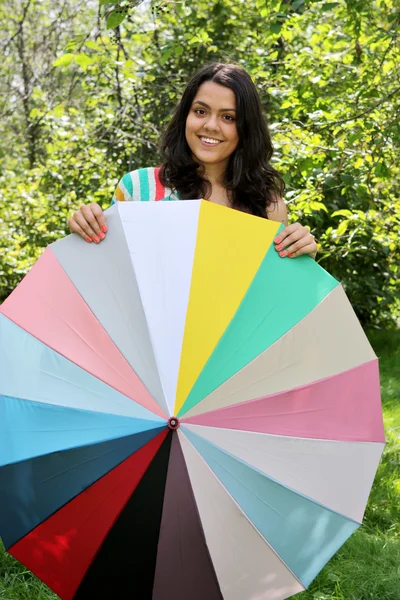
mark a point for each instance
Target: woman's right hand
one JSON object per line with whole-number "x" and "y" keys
{"x": 89, "y": 222}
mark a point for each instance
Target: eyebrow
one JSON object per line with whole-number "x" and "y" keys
{"x": 220, "y": 110}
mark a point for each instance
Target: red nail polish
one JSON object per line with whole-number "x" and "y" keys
{"x": 282, "y": 254}
{"x": 291, "y": 255}
{"x": 104, "y": 228}
{"x": 96, "y": 239}
{"x": 102, "y": 236}
{"x": 277, "y": 240}
{"x": 278, "y": 247}
{"x": 88, "y": 239}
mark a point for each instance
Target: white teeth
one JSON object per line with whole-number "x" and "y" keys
{"x": 210, "y": 140}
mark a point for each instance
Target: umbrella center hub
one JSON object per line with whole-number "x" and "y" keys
{"x": 173, "y": 423}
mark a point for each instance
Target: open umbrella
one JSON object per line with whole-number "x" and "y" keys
{"x": 183, "y": 414}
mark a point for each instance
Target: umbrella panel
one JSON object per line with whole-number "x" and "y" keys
{"x": 30, "y": 429}
{"x": 166, "y": 236}
{"x": 345, "y": 407}
{"x": 184, "y": 569}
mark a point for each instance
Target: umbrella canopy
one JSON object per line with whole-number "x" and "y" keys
{"x": 183, "y": 414}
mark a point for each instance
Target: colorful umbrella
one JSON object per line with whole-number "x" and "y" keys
{"x": 184, "y": 415}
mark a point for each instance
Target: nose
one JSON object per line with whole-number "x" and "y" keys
{"x": 212, "y": 123}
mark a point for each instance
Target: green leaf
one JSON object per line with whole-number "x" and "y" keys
{"x": 315, "y": 205}
{"x": 381, "y": 170}
{"x": 342, "y": 213}
{"x": 342, "y": 227}
{"x": 83, "y": 60}
{"x": 347, "y": 179}
{"x": 35, "y": 112}
{"x": 166, "y": 55}
{"x": 297, "y": 4}
{"x": 330, "y": 181}
{"x": 74, "y": 42}
{"x": 92, "y": 45}
{"x": 178, "y": 50}
{"x": 108, "y": 2}
{"x": 329, "y": 5}
{"x": 275, "y": 28}
{"x": 64, "y": 60}
{"x": 58, "y": 110}
{"x": 116, "y": 17}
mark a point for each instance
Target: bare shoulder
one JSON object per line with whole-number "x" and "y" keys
{"x": 278, "y": 211}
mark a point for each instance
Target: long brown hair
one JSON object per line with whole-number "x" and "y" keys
{"x": 253, "y": 184}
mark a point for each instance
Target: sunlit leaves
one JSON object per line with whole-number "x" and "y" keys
{"x": 327, "y": 74}
{"x": 64, "y": 60}
{"x": 116, "y": 17}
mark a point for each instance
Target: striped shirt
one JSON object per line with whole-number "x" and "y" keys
{"x": 142, "y": 185}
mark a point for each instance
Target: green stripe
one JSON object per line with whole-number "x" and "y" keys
{"x": 282, "y": 293}
{"x": 127, "y": 181}
{"x": 144, "y": 185}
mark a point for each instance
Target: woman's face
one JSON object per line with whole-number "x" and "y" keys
{"x": 211, "y": 124}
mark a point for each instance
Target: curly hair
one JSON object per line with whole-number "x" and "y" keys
{"x": 252, "y": 183}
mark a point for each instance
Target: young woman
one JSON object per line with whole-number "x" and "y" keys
{"x": 217, "y": 147}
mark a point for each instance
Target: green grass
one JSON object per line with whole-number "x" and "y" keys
{"x": 368, "y": 566}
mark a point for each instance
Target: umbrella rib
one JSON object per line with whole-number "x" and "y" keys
{"x": 268, "y": 454}
{"x": 242, "y": 343}
{"x": 142, "y": 356}
{"x": 131, "y": 331}
{"x": 103, "y": 396}
{"x": 263, "y": 415}
{"x": 89, "y": 345}
{"x": 248, "y": 489}
{"x": 85, "y": 462}
{"x": 223, "y": 365}
{"x": 276, "y": 483}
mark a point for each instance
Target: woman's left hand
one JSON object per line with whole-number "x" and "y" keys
{"x": 294, "y": 241}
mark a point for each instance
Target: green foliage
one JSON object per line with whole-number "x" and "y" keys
{"x": 328, "y": 76}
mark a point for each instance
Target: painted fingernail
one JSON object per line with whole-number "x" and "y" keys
{"x": 291, "y": 255}
{"x": 88, "y": 239}
{"x": 277, "y": 240}
{"x": 282, "y": 254}
{"x": 278, "y": 247}
{"x": 96, "y": 239}
{"x": 104, "y": 228}
{"x": 102, "y": 236}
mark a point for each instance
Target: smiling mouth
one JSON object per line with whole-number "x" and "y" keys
{"x": 209, "y": 141}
